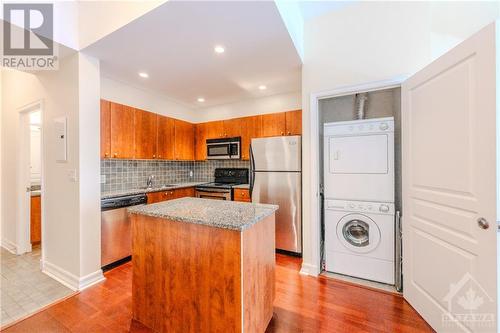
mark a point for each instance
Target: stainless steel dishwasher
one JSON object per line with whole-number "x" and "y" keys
{"x": 116, "y": 241}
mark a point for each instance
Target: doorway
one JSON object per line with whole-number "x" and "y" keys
{"x": 25, "y": 289}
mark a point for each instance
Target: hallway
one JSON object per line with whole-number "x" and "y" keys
{"x": 24, "y": 288}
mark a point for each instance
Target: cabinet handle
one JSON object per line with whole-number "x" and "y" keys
{"x": 289, "y": 133}
{"x": 159, "y": 156}
{"x": 116, "y": 154}
{"x": 106, "y": 154}
{"x": 154, "y": 156}
{"x": 282, "y": 133}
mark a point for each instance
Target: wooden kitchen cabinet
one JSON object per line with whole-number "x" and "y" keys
{"x": 105, "y": 129}
{"x": 35, "y": 220}
{"x": 146, "y": 134}
{"x": 273, "y": 124}
{"x": 232, "y": 127}
{"x": 183, "y": 192}
{"x": 154, "y": 197}
{"x": 184, "y": 140}
{"x": 251, "y": 128}
{"x": 166, "y": 138}
{"x": 242, "y": 194}
{"x": 122, "y": 131}
{"x": 293, "y": 122}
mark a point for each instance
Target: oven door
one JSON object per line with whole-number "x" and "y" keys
{"x": 215, "y": 194}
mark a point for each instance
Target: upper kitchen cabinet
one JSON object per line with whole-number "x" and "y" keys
{"x": 250, "y": 128}
{"x": 146, "y": 133}
{"x": 273, "y": 124}
{"x": 204, "y": 131}
{"x": 283, "y": 123}
{"x": 293, "y": 122}
{"x": 166, "y": 138}
{"x": 184, "y": 140}
{"x": 122, "y": 131}
{"x": 105, "y": 129}
{"x": 232, "y": 128}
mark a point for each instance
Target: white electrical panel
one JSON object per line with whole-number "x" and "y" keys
{"x": 60, "y": 128}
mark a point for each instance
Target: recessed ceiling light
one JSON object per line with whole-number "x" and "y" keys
{"x": 219, "y": 49}
{"x": 144, "y": 75}
{"x": 201, "y": 99}
{"x": 262, "y": 87}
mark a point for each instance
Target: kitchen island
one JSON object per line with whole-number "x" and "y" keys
{"x": 203, "y": 265}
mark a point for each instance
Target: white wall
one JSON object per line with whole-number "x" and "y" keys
{"x": 123, "y": 93}
{"x": 373, "y": 41}
{"x": 269, "y": 104}
{"x": 99, "y": 18}
{"x": 70, "y": 207}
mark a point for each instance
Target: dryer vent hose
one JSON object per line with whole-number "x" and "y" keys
{"x": 360, "y": 101}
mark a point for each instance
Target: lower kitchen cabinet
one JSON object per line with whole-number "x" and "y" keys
{"x": 36, "y": 220}
{"x": 154, "y": 197}
{"x": 241, "y": 194}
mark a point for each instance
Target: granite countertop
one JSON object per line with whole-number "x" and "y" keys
{"x": 106, "y": 195}
{"x": 242, "y": 186}
{"x": 215, "y": 213}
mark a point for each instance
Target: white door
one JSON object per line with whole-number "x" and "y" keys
{"x": 449, "y": 188}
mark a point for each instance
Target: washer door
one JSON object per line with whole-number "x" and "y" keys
{"x": 358, "y": 233}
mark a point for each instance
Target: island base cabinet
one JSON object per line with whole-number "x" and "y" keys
{"x": 195, "y": 278}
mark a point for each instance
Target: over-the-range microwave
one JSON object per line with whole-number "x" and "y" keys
{"x": 224, "y": 149}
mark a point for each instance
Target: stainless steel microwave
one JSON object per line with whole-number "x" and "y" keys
{"x": 224, "y": 149}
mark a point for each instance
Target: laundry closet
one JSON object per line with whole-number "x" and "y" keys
{"x": 360, "y": 176}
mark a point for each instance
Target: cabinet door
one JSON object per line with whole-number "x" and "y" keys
{"x": 183, "y": 192}
{"x": 232, "y": 128}
{"x": 242, "y": 195}
{"x": 294, "y": 122}
{"x": 166, "y": 138}
{"x": 251, "y": 129}
{"x": 184, "y": 140}
{"x": 122, "y": 131}
{"x": 215, "y": 129}
{"x": 145, "y": 134}
{"x": 105, "y": 129}
{"x": 201, "y": 142}
{"x": 273, "y": 124}
{"x": 36, "y": 220}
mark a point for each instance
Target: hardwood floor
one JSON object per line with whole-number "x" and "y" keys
{"x": 303, "y": 304}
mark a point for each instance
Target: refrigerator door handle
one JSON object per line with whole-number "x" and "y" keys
{"x": 252, "y": 171}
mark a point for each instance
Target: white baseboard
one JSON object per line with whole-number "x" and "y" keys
{"x": 91, "y": 279}
{"x": 9, "y": 246}
{"x": 308, "y": 269}
{"x": 70, "y": 280}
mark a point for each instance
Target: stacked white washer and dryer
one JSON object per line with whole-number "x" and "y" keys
{"x": 359, "y": 199}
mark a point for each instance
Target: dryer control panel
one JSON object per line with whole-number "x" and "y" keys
{"x": 361, "y": 206}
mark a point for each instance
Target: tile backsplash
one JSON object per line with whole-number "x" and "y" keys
{"x": 131, "y": 174}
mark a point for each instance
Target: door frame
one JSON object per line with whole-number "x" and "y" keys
{"x": 313, "y": 266}
{"x": 23, "y": 201}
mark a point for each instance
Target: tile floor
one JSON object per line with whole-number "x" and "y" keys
{"x": 24, "y": 289}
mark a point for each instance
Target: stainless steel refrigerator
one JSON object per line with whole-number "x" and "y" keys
{"x": 276, "y": 178}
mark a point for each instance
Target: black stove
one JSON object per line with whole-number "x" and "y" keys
{"x": 225, "y": 179}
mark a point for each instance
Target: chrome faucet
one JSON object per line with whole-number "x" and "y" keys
{"x": 150, "y": 181}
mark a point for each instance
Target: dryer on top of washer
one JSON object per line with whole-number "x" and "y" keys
{"x": 359, "y": 239}
{"x": 359, "y": 160}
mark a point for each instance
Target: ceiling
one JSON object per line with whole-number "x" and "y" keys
{"x": 174, "y": 44}
{"x": 312, "y": 9}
